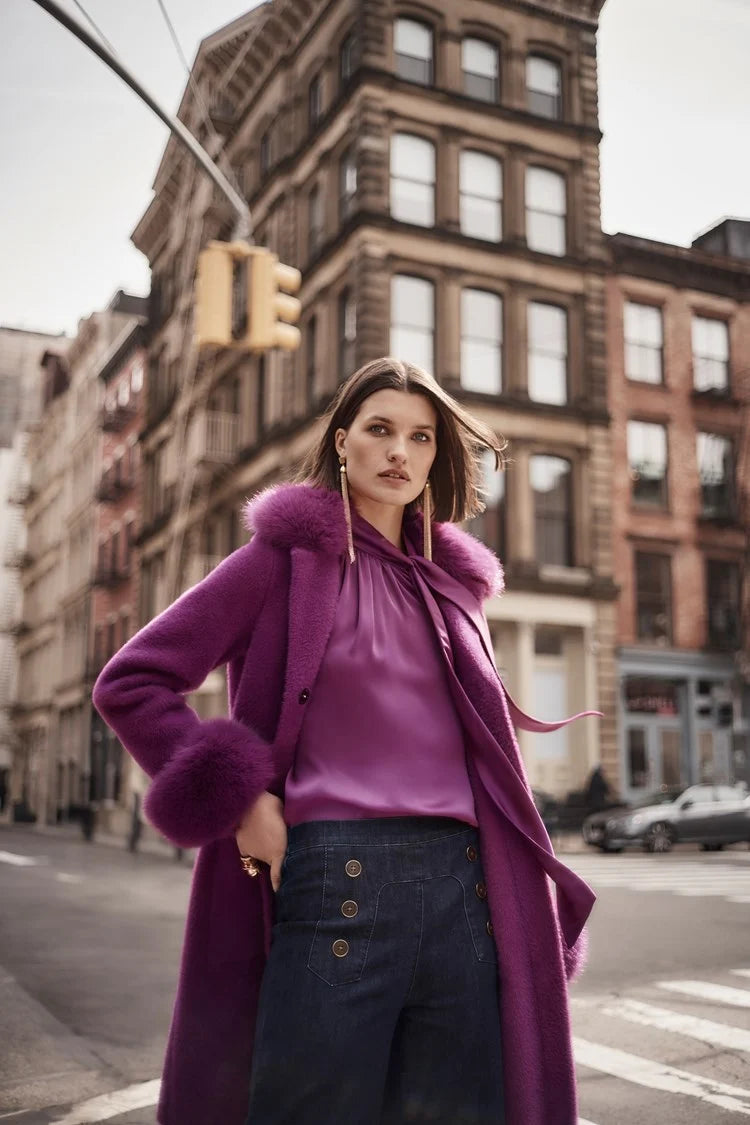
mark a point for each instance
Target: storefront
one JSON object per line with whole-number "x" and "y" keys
{"x": 682, "y": 721}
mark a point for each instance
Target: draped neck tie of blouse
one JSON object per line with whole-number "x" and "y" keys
{"x": 500, "y": 779}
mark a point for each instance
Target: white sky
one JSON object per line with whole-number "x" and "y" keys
{"x": 79, "y": 151}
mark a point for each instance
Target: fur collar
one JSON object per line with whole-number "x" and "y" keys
{"x": 299, "y": 515}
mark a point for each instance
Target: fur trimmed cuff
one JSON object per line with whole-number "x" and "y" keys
{"x": 576, "y": 957}
{"x": 204, "y": 789}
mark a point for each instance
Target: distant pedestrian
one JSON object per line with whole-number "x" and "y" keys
{"x": 598, "y": 790}
{"x": 370, "y": 781}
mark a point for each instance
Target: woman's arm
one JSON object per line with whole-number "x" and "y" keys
{"x": 206, "y": 773}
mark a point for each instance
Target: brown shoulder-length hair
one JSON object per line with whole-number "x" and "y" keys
{"x": 455, "y": 476}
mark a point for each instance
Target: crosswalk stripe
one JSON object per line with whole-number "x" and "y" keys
{"x": 139, "y": 1096}
{"x": 706, "y": 990}
{"x": 16, "y": 860}
{"x": 741, "y": 972}
{"x": 706, "y": 1031}
{"x": 657, "y": 1076}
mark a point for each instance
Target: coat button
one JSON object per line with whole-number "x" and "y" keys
{"x": 349, "y": 908}
{"x": 353, "y": 868}
{"x": 490, "y": 929}
{"x": 481, "y": 890}
{"x": 340, "y": 947}
{"x": 304, "y": 695}
{"x": 471, "y": 853}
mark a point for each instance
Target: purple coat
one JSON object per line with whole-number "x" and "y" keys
{"x": 267, "y": 612}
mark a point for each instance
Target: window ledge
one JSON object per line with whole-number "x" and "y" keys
{"x": 572, "y": 575}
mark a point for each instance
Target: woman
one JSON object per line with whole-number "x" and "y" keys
{"x": 398, "y": 913}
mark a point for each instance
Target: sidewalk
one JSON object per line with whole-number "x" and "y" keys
{"x": 156, "y": 847}
{"x": 564, "y": 843}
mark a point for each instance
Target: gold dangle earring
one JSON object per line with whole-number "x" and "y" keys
{"x": 347, "y": 509}
{"x": 427, "y": 520}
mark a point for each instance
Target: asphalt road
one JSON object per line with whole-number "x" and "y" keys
{"x": 90, "y": 939}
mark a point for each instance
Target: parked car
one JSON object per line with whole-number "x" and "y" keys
{"x": 709, "y": 815}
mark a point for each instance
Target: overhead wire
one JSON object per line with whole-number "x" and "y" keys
{"x": 220, "y": 157}
{"x": 202, "y": 107}
{"x": 97, "y": 29}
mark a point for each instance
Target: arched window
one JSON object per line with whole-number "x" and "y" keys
{"x": 551, "y": 490}
{"x": 546, "y": 208}
{"x": 347, "y": 333}
{"x": 346, "y": 58}
{"x": 547, "y": 353}
{"x": 412, "y": 179}
{"x": 489, "y": 526}
{"x": 544, "y": 87}
{"x": 412, "y": 44}
{"x": 347, "y": 183}
{"x": 481, "y": 195}
{"x": 480, "y": 63}
{"x": 481, "y": 341}
{"x": 413, "y": 321}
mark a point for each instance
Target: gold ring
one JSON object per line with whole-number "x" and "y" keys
{"x": 250, "y": 864}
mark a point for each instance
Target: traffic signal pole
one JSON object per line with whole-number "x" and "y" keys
{"x": 243, "y": 225}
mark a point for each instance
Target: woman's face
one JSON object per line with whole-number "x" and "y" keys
{"x": 393, "y": 432}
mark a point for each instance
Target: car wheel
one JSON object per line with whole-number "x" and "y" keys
{"x": 658, "y": 838}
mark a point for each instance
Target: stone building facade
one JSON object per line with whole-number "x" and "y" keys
{"x": 20, "y": 406}
{"x": 433, "y": 170}
{"x": 51, "y": 774}
{"x": 115, "y": 778}
{"x": 679, "y": 357}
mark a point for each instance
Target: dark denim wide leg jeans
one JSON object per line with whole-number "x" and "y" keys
{"x": 379, "y": 999}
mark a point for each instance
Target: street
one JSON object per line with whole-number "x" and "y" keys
{"x": 90, "y": 939}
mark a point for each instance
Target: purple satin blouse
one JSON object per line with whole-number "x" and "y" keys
{"x": 381, "y": 734}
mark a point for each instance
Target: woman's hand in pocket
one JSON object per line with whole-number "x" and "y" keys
{"x": 262, "y": 834}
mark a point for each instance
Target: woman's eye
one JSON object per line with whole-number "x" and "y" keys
{"x": 422, "y": 435}
{"x": 375, "y": 426}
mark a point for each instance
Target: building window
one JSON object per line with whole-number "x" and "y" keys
{"x": 265, "y": 152}
{"x": 545, "y": 211}
{"x": 710, "y": 354}
{"x": 644, "y": 343}
{"x": 315, "y": 101}
{"x": 412, "y": 179}
{"x": 544, "y": 87}
{"x": 347, "y": 184}
{"x": 653, "y": 595}
{"x": 548, "y": 353}
{"x": 347, "y": 333}
{"x": 311, "y": 337}
{"x": 716, "y": 472}
{"x": 481, "y": 195}
{"x": 724, "y": 604}
{"x": 481, "y": 341}
{"x": 413, "y": 321}
{"x": 489, "y": 525}
{"x": 412, "y": 43}
{"x": 346, "y": 59}
{"x": 647, "y": 460}
{"x": 480, "y": 62}
{"x": 551, "y": 489}
{"x": 314, "y": 221}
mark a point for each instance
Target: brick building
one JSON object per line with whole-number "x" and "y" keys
{"x": 679, "y": 357}
{"x": 434, "y": 172}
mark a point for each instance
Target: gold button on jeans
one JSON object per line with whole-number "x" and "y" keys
{"x": 490, "y": 929}
{"x": 471, "y": 853}
{"x": 481, "y": 890}
{"x": 354, "y": 868}
{"x": 340, "y": 947}
{"x": 349, "y": 908}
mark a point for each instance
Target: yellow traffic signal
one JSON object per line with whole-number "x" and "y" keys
{"x": 243, "y": 298}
